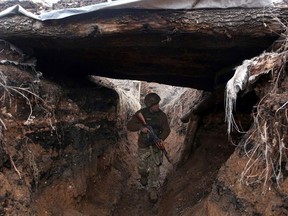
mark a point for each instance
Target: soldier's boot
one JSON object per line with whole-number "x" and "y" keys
{"x": 153, "y": 195}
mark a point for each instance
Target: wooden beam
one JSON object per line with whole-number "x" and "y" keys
{"x": 191, "y": 48}
{"x": 226, "y": 23}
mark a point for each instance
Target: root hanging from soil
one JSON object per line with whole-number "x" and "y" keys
{"x": 266, "y": 144}
{"x": 266, "y": 147}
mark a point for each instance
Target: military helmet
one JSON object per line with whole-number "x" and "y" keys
{"x": 151, "y": 99}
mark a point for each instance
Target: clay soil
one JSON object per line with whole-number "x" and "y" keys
{"x": 100, "y": 178}
{"x": 72, "y": 157}
{"x": 111, "y": 192}
{"x": 184, "y": 186}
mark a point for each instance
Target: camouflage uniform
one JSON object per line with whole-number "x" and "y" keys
{"x": 148, "y": 164}
{"x": 149, "y": 156}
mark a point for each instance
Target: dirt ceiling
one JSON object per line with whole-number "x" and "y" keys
{"x": 197, "y": 49}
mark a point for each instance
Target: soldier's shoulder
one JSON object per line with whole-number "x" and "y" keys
{"x": 144, "y": 110}
{"x": 161, "y": 112}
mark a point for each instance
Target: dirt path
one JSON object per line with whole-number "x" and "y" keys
{"x": 184, "y": 187}
{"x": 135, "y": 202}
{"x": 115, "y": 190}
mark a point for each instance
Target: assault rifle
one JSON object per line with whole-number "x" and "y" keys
{"x": 156, "y": 140}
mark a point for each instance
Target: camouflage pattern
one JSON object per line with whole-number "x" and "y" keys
{"x": 149, "y": 157}
{"x": 149, "y": 160}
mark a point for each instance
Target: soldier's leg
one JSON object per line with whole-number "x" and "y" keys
{"x": 142, "y": 164}
{"x": 154, "y": 163}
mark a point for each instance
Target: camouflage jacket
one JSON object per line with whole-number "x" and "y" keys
{"x": 158, "y": 121}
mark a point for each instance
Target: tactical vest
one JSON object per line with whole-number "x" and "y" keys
{"x": 154, "y": 120}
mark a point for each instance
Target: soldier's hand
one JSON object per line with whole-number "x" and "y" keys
{"x": 145, "y": 130}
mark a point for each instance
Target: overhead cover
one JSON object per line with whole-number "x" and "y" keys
{"x": 139, "y": 4}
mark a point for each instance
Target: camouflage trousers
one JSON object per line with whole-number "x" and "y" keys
{"x": 149, "y": 160}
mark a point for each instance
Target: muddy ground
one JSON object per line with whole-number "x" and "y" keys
{"x": 114, "y": 189}
{"x": 69, "y": 153}
{"x": 109, "y": 184}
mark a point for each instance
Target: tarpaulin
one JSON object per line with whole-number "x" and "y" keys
{"x": 138, "y": 4}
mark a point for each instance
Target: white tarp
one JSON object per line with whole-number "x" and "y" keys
{"x": 188, "y": 4}
{"x": 139, "y": 4}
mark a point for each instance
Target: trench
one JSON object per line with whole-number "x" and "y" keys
{"x": 79, "y": 158}
{"x": 99, "y": 176}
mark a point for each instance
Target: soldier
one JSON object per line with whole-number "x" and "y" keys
{"x": 149, "y": 156}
